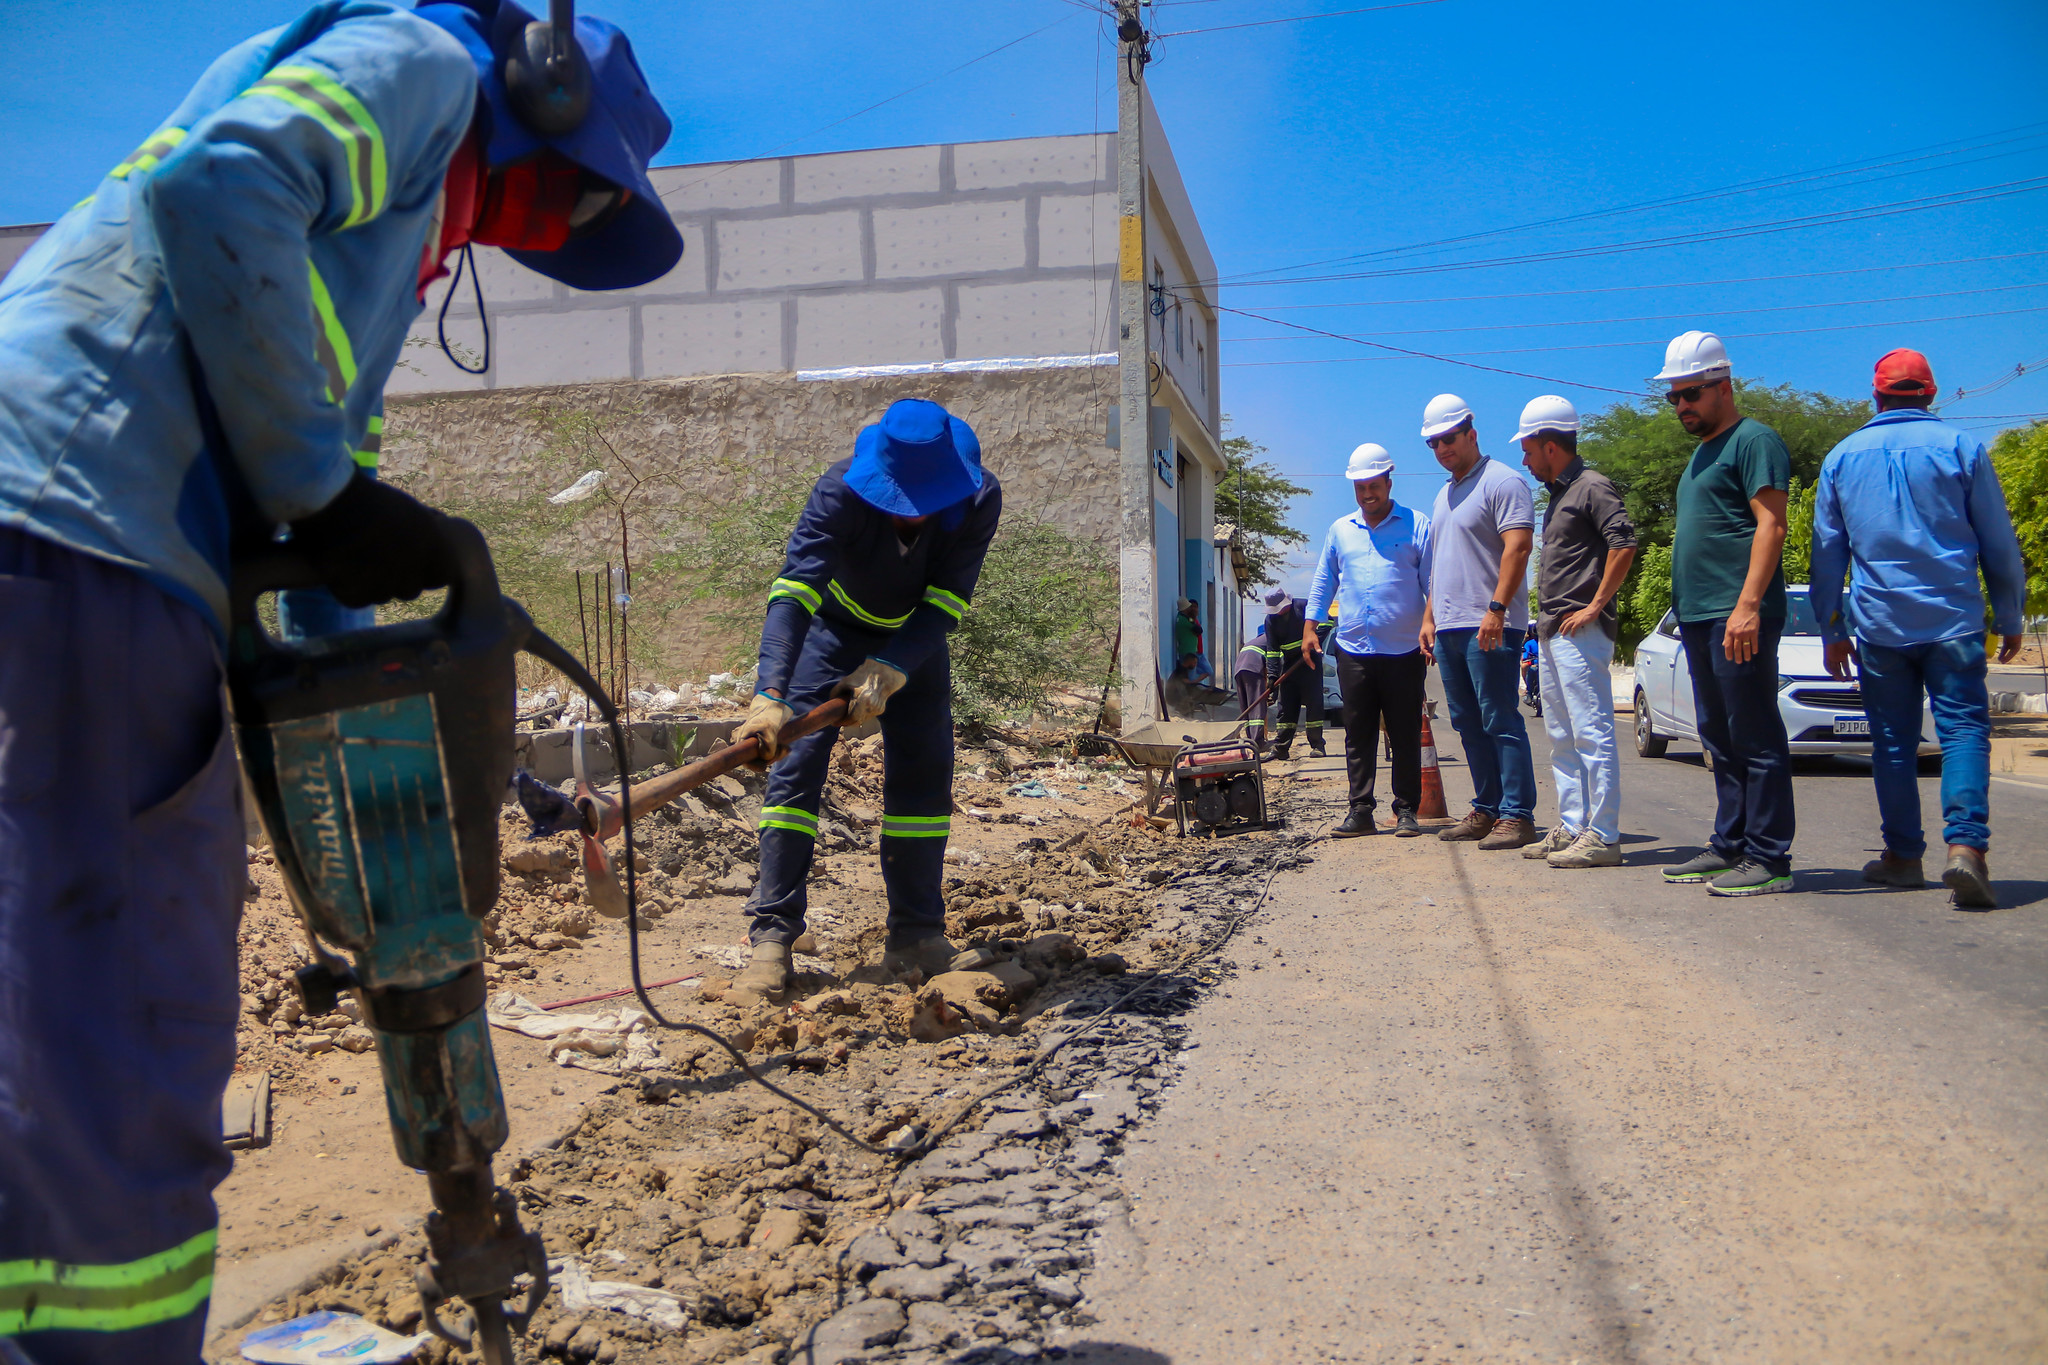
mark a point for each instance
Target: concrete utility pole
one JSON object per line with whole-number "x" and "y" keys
{"x": 1138, "y": 574}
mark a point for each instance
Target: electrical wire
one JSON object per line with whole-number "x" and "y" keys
{"x": 1296, "y": 18}
{"x": 1994, "y": 385}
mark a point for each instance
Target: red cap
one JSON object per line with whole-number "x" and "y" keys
{"x": 1904, "y": 373}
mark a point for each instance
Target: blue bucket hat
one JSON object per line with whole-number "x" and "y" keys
{"x": 622, "y": 132}
{"x": 919, "y": 459}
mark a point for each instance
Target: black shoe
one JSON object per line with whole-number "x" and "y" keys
{"x": 1358, "y": 821}
{"x": 1406, "y": 826}
{"x": 1280, "y": 753}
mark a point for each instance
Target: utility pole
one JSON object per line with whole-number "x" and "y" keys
{"x": 1137, "y": 571}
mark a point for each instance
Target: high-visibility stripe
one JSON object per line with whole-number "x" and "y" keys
{"x": 803, "y": 594}
{"x": 917, "y": 826}
{"x": 945, "y": 601}
{"x": 42, "y": 1295}
{"x": 372, "y": 448}
{"x": 145, "y": 158}
{"x": 316, "y": 94}
{"x": 862, "y": 614}
{"x": 330, "y": 340}
{"x": 789, "y": 818}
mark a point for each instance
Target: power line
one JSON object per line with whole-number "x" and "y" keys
{"x": 1994, "y": 385}
{"x": 1296, "y": 18}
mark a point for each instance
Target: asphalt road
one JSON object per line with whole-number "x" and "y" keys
{"x": 1456, "y": 1106}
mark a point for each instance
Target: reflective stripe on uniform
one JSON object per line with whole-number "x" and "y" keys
{"x": 946, "y": 602}
{"x": 803, "y": 594}
{"x": 862, "y": 614}
{"x": 146, "y": 157}
{"x": 317, "y": 94}
{"x": 44, "y": 1296}
{"x": 917, "y": 826}
{"x": 330, "y": 340}
{"x": 789, "y": 818}
{"x": 372, "y": 448}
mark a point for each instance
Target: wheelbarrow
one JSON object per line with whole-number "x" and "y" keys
{"x": 1152, "y": 748}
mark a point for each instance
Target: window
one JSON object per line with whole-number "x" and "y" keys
{"x": 1180, "y": 332}
{"x": 1202, "y": 366}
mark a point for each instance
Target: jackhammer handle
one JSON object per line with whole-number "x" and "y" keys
{"x": 659, "y": 791}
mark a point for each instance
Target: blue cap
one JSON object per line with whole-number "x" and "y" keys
{"x": 622, "y": 132}
{"x": 919, "y": 459}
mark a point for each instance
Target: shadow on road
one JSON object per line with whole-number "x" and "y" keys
{"x": 1105, "y": 1353}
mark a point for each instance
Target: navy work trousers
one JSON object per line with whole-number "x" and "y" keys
{"x": 121, "y": 874}
{"x": 1743, "y": 731}
{"x": 1300, "y": 691}
{"x": 917, "y": 790}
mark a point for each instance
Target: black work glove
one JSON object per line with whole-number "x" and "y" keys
{"x": 374, "y": 543}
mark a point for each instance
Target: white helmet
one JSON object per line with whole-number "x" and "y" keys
{"x": 1445, "y": 411}
{"x": 1696, "y": 355}
{"x": 1548, "y": 413}
{"x": 1369, "y": 461}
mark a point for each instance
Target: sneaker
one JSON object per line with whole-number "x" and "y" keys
{"x": 1476, "y": 825}
{"x": 1556, "y": 841}
{"x": 1969, "y": 879}
{"x": 1891, "y": 870}
{"x": 1588, "y": 850}
{"x": 1516, "y": 833}
{"x": 1698, "y": 869}
{"x": 1749, "y": 878}
{"x": 931, "y": 956}
{"x": 1358, "y": 821}
{"x": 1406, "y": 826}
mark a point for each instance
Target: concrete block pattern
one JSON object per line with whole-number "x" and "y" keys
{"x": 504, "y": 281}
{"x": 949, "y": 239}
{"x": 421, "y": 367}
{"x": 719, "y": 185}
{"x": 775, "y": 253}
{"x": 1080, "y": 159}
{"x": 1046, "y": 317}
{"x": 1077, "y": 229}
{"x": 737, "y": 336}
{"x": 859, "y": 328}
{"x": 562, "y": 348}
{"x": 846, "y": 175}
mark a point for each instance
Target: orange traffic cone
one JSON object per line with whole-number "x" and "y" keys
{"x": 1433, "y": 807}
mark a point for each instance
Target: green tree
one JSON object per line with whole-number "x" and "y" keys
{"x": 1798, "y": 556}
{"x": 1253, "y": 496}
{"x": 2021, "y": 458}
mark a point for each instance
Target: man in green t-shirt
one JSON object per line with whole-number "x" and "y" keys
{"x": 1728, "y": 588}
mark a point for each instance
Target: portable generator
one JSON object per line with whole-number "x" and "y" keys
{"x": 1219, "y": 785}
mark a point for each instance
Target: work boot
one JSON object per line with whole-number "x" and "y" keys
{"x": 1280, "y": 750}
{"x": 1749, "y": 878}
{"x": 1969, "y": 878}
{"x": 1476, "y": 825}
{"x": 1315, "y": 746}
{"x": 1358, "y": 821}
{"x": 768, "y": 973}
{"x": 1892, "y": 870}
{"x": 1516, "y": 833}
{"x": 1406, "y": 826}
{"x": 1588, "y": 850}
{"x": 931, "y": 956}
{"x": 1698, "y": 869}
{"x": 1557, "y": 840}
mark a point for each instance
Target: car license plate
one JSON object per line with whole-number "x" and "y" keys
{"x": 1852, "y": 725}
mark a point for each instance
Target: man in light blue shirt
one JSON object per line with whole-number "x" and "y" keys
{"x": 1910, "y": 508}
{"x": 1375, "y": 566}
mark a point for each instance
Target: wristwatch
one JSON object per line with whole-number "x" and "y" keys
{"x": 1500, "y": 607}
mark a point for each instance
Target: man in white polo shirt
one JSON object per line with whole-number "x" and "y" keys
{"x": 1480, "y": 536}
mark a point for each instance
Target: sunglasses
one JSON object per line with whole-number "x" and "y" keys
{"x": 1691, "y": 395}
{"x": 1446, "y": 439}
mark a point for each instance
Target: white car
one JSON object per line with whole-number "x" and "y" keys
{"x": 1823, "y": 715}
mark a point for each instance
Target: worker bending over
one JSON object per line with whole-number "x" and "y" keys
{"x": 193, "y": 360}
{"x": 880, "y": 568}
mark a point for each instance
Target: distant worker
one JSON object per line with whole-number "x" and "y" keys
{"x": 1588, "y": 545}
{"x": 1250, "y": 676}
{"x": 1481, "y": 532}
{"x": 190, "y": 359}
{"x": 1301, "y": 689}
{"x": 880, "y": 569}
{"x": 1910, "y": 507}
{"x": 1728, "y": 588}
{"x": 1187, "y": 638}
{"x": 1373, "y": 572}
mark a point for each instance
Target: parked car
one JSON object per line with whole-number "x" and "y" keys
{"x": 1823, "y": 715}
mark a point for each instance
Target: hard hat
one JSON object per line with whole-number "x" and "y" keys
{"x": 1369, "y": 461}
{"x": 1695, "y": 355}
{"x": 1445, "y": 412}
{"x": 1548, "y": 413}
{"x": 1905, "y": 374}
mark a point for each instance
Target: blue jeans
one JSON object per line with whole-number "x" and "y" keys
{"x": 1743, "y": 731}
{"x": 1483, "y": 687}
{"x": 1578, "y": 711}
{"x": 1951, "y": 673}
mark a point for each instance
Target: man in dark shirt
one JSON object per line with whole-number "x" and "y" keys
{"x": 1588, "y": 544}
{"x": 1728, "y": 588}
{"x": 1303, "y": 689}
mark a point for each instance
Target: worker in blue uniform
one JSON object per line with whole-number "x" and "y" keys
{"x": 1302, "y": 690}
{"x": 880, "y": 568}
{"x": 193, "y": 360}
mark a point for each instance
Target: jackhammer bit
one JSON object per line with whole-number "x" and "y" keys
{"x": 475, "y": 1248}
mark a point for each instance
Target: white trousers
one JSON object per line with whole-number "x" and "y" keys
{"x": 1578, "y": 710}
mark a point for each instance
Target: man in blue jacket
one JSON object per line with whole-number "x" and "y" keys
{"x": 193, "y": 359}
{"x": 1910, "y": 508}
{"x": 879, "y": 571}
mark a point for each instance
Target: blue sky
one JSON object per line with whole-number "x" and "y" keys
{"x": 1338, "y": 137}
